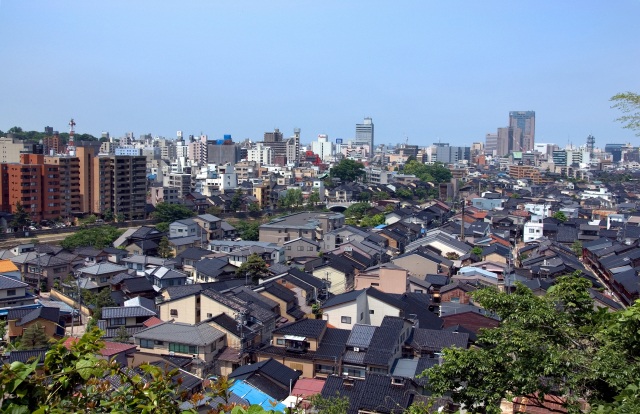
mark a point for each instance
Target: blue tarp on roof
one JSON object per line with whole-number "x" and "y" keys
{"x": 255, "y": 396}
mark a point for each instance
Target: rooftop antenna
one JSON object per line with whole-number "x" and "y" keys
{"x": 71, "y": 149}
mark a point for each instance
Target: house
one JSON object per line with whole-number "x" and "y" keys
{"x": 370, "y": 306}
{"x": 48, "y": 318}
{"x": 211, "y": 226}
{"x": 271, "y": 254}
{"x": 197, "y": 341}
{"x": 337, "y": 271}
{"x": 421, "y": 262}
{"x": 431, "y": 342}
{"x": 184, "y": 228}
{"x": 300, "y": 248}
{"x": 13, "y": 293}
{"x": 143, "y": 240}
{"x": 307, "y": 346}
{"x": 131, "y": 318}
{"x": 467, "y": 316}
{"x": 163, "y": 277}
{"x": 213, "y": 269}
{"x": 386, "y": 277}
{"x": 180, "y": 244}
{"x": 269, "y": 376}
{"x": 42, "y": 268}
{"x": 228, "y": 231}
{"x": 99, "y": 274}
{"x": 457, "y": 292}
{"x": 240, "y": 338}
{"x": 309, "y": 225}
{"x": 187, "y": 259}
{"x": 286, "y": 299}
{"x": 140, "y": 263}
{"x": 375, "y": 393}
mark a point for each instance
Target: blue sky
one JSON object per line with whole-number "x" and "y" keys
{"x": 428, "y": 71}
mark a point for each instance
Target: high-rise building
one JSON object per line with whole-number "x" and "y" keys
{"x": 223, "y": 151}
{"x": 323, "y": 147}
{"x": 293, "y": 147}
{"x": 275, "y": 136}
{"x": 509, "y": 140}
{"x": 526, "y": 122}
{"x": 128, "y": 176}
{"x": 364, "y": 134}
{"x": 451, "y": 155}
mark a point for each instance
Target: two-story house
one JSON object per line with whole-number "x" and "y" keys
{"x": 211, "y": 226}
{"x": 13, "y": 293}
{"x": 129, "y": 317}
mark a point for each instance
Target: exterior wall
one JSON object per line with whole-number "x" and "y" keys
{"x": 282, "y": 306}
{"x": 380, "y": 310}
{"x": 334, "y": 315}
{"x": 337, "y": 280}
{"x": 455, "y": 295}
{"x": 292, "y": 249}
{"x": 388, "y": 280}
{"x": 416, "y": 265}
{"x": 305, "y": 366}
{"x": 49, "y": 328}
{"x": 185, "y": 307}
{"x": 20, "y": 292}
{"x": 207, "y": 352}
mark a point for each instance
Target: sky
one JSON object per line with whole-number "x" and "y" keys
{"x": 425, "y": 71}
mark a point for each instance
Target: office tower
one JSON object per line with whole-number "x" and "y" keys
{"x": 261, "y": 154}
{"x": 323, "y": 147}
{"x": 223, "y": 151}
{"x": 509, "y": 140}
{"x": 275, "y": 136}
{"x": 447, "y": 154}
{"x": 526, "y": 122}
{"x": 293, "y": 147}
{"x": 364, "y": 134}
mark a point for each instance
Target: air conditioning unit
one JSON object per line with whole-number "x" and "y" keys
{"x": 356, "y": 349}
{"x": 171, "y": 353}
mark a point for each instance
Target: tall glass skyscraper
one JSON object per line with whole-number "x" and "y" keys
{"x": 364, "y": 134}
{"x": 526, "y": 122}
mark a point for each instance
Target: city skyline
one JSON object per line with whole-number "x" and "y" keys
{"x": 423, "y": 71}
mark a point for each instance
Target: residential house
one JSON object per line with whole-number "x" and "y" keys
{"x": 240, "y": 339}
{"x": 201, "y": 342}
{"x": 131, "y": 318}
{"x": 421, "y": 262}
{"x": 13, "y": 293}
{"x": 184, "y": 228}
{"x": 309, "y": 225}
{"x": 386, "y": 277}
{"x": 286, "y": 299}
{"x": 300, "y": 248}
{"x": 213, "y": 269}
{"x": 48, "y": 318}
{"x": 163, "y": 277}
{"x": 99, "y": 275}
{"x": 212, "y": 226}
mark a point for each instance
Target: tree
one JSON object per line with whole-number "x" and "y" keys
{"x": 255, "y": 267}
{"x": 164, "y": 248}
{"x": 580, "y": 353}
{"x": 248, "y": 230}
{"x": 108, "y": 215}
{"x": 214, "y": 210}
{"x": 355, "y": 212}
{"x": 122, "y": 335}
{"x": 560, "y": 216}
{"x": 97, "y": 301}
{"x": 372, "y": 221}
{"x": 348, "y": 170}
{"x": 34, "y": 337}
{"x": 404, "y": 193}
{"x": 364, "y": 196}
{"x": 452, "y": 256}
{"x": 629, "y": 104}
{"x": 477, "y": 251}
{"x": 78, "y": 380}
{"x": 314, "y": 198}
{"x": 20, "y": 217}
{"x": 98, "y": 237}
{"x": 236, "y": 201}
{"x": 168, "y": 213}
{"x": 577, "y": 248}
{"x": 330, "y": 405}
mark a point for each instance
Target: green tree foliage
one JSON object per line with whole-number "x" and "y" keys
{"x": 122, "y": 335}
{"x": 354, "y": 213}
{"x": 34, "y": 337}
{"x": 168, "y": 213}
{"x": 330, "y": 405}
{"x": 577, "y": 248}
{"x": 214, "y": 210}
{"x": 164, "y": 248}
{"x": 629, "y": 104}
{"x": 248, "y": 230}
{"x": 108, "y": 215}
{"x": 314, "y": 198}
{"x": 255, "y": 267}
{"x": 292, "y": 198}
{"x": 404, "y": 193}
{"x": 98, "y": 300}
{"x": 364, "y": 196}
{"x": 477, "y": 251}
{"x": 20, "y": 217}
{"x": 578, "y": 353}
{"x": 98, "y": 237}
{"x": 437, "y": 172}
{"x": 236, "y": 201}
{"x": 560, "y": 216}
{"x": 36, "y": 136}
{"x": 76, "y": 380}
{"x": 372, "y": 221}
{"x": 348, "y": 170}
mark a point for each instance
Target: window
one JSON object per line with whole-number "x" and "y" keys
{"x": 300, "y": 248}
{"x": 324, "y": 369}
{"x": 174, "y": 312}
{"x": 345, "y": 319}
{"x": 209, "y": 315}
{"x": 183, "y": 348}
{"x": 104, "y": 279}
{"x": 146, "y": 343}
{"x": 288, "y": 247}
{"x": 280, "y": 341}
{"x": 310, "y": 248}
{"x": 418, "y": 291}
{"x": 532, "y": 231}
{"x": 371, "y": 312}
{"x": 117, "y": 322}
{"x": 361, "y": 315}
{"x": 11, "y": 292}
{"x": 375, "y": 284}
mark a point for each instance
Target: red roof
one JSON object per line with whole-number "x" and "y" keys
{"x": 110, "y": 348}
{"x": 306, "y": 387}
{"x": 152, "y": 321}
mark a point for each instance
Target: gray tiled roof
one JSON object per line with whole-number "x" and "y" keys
{"x": 103, "y": 268}
{"x": 9, "y": 283}
{"x": 361, "y": 335}
{"x": 126, "y": 312}
{"x": 309, "y": 328}
{"x": 200, "y": 335}
{"x": 431, "y": 340}
{"x": 46, "y": 313}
